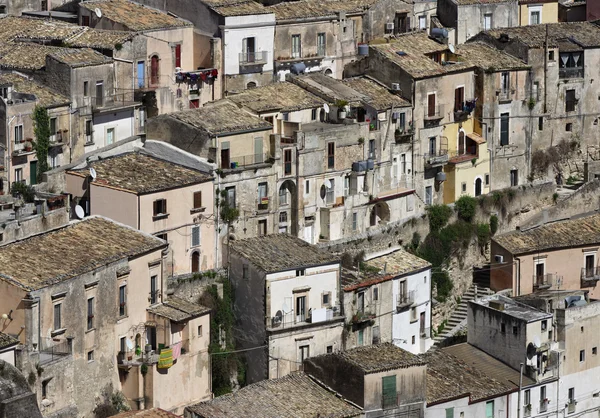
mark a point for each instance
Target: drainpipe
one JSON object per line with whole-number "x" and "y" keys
{"x": 519, "y": 394}
{"x": 218, "y": 220}
{"x": 9, "y": 151}
{"x": 518, "y": 287}
{"x": 546, "y": 71}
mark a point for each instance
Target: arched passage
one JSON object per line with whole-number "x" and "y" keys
{"x": 288, "y": 197}
{"x": 380, "y": 213}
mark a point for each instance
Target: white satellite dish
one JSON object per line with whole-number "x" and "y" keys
{"x": 329, "y": 184}
{"x": 451, "y": 48}
{"x": 285, "y": 308}
{"x": 537, "y": 342}
{"x": 93, "y": 173}
{"x": 79, "y": 212}
{"x": 98, "y": 12}
{"x": 129, "y": 344}
{"x": 326, "y": 107}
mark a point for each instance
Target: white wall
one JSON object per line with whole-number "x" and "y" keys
{"x": 403, "y": 329}
{"x": 475, "y": 410}
{"x": 239, "y": 27}
{"x": 8, "y": 356}
{"x": 123, "y": 121}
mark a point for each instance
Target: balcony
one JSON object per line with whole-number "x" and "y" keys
{"x": 361, "y": 317}
{"x": 245, "y": 161}
{"x": 59, "y": 138}
{"x": 544, "y": 405}
{"x": 571, "y": 406}
{"x": 55, "y": 350}
{"x": 574, "y": 72}
{"x": 405, "y": 300}
{"x": 432, "y": 115}
{"x": 457, "y": 157}
{"x": 542, "y": 281}
{"x": 437, "y": 158}
{"x": 404, "y": 136}
{"x": 263, "y": 204}
{"x": 253, "y": 59}
{"x": 290, "y": 319}
{"x": 590, "y": 275}
{"x": 461, "y": 115}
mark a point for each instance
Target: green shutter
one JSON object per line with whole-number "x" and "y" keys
{"x": 449, "y": 412}
{"x": 389, "y": 391}
{"x": 489, "y": 409}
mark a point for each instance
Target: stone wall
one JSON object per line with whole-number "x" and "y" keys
{"x": 191, "y": 286}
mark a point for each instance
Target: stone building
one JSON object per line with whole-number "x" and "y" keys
{"x": 390, "y": 305}
{"x": 85, "y": 300}
{"x": 557, "y": 255}
{"x": 534, "y": 12}
{"x": 382, "y": 379}
{"x": 287, "y": 299}
{"x": 156, "y": 196}
{"x": 16, "y": 398}
{"x": 19, "y": 97}
{"x": 467, "y": 18}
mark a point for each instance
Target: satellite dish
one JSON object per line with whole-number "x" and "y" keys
{"x": 79, "y": 212}
{"x": 326, "y": 107}
{"x": 323, "y": 191}
{"x": 279, "y": 316}
{"x": 451, "y": 48}
{"x": 531, "y": 350}
{"x": 98, "y": 12}
{"x": 537, "y": 342}
{"x": 129, "y": 344}
{"x": 329, "y": 184}
{"x": 285, "y": 307}
{"x": 93, "y": 173}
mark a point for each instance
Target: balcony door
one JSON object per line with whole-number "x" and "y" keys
{"x": 300, "y": 308}
{"x": 589, "y": 265}
{"x": 248, "y": 48}
{"x": 539, "y": 273}
{"x": 459, "y": 99}
{"x": 431, "y": 105}
{"x": 141, "y": 72}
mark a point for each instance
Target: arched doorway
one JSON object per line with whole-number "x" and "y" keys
{"x": 195, "y": 262}
{"x": 380, "y": 213}
{"x": 288, "y": 197}
{"x": 477, "y": 186}
{"x": 329, "y": 72}
{"x": 461, "y": 142}
{"x": 154, "y": 76}
{"x": 251, "y": 85}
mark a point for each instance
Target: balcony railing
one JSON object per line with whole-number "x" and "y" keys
{"x": 571, "y": 406}
{"x": 461, "y": 115}
{"x": 404, "y": 300}
{"x": 438, "y": 158}
{"x": 590, "y": 275}
{"x": 542, "y": 281}
{"x": 253, "y": 58}
{"x": 53, "y": 350}
{"x": 527, "y": 411}
{"x": 263, "y": 203}
{"x": 362, "y": 316}
{"x": 290, "y": 319}
{"x": 425, "y": 333}
{"x": 570, "y": 72}
{"x": 543, "y": 405}
{"x": 433, "y": 112}
{"x": 467, "y": 154}
{"x": 246, "y": 160}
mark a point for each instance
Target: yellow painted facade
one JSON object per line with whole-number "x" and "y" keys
{"x": 549, "y": 12}
{"x": 469, "y": 168}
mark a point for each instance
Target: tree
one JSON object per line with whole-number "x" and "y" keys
{"x": 41, "y": 129}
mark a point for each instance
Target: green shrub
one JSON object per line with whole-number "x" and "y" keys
{"x": 466, "y": 207}
{"x": 493, "y": 224}
{"x": 25, "y": 190}
{"x": 438, "y": 216}
{"x": 483, "y": 234}
{"x": 554, "y": 197}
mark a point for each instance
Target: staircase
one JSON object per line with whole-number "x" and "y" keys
{"x": 458, "y": 320}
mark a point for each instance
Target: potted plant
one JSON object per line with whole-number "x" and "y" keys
{"x": 342, "y": 108}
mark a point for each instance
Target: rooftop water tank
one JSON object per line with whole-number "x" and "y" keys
{"x": 363, "y": 49}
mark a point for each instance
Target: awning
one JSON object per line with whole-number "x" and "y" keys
{"x": 478, "y": 139}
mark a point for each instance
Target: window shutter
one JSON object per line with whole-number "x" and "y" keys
{"x": 197, "y": 200}
{"x": 389, "y": 391}
{"x": 195, "y": 236}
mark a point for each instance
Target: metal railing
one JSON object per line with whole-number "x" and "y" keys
{"x": 433, "y": 112}
{"x": 527, "y": 411}
{"x": 543, "y": 405}
{"x": 290, "y": 319}
{"x": 405, "y": 299}
{"x": 571, "y": 406}
{"x": 439, "y": 157}
{"x": 590, "y": 273}
{"x": 542, "y": 281}
{"x": 257, "y": 57}
{"x": 263, "y": 203}
{"x": 246, "y": 160}
{"x": 425, "y": 332}
{"x": 570, "y": 72}
{"x": 54, "y": 350}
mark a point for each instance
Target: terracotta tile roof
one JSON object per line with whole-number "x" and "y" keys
{"x": 552, "y": 236}
{"x": 470, "y": 2}
{"x": 25, "y": 56}
{"x": 450, "y": 378}
{"x": 134, "y": 16}
{"x": 278, "y": 252}
{"x": 379, "y": 358}
{"x": 79, "y": 57}
{"x": 484, "y": 56}
{"x": 7, "y": 341}
{"x": 277, "y": 97}
{"x": 295, "y": 395}
{"x": 237, "y": 7}
{"x": 141, "y": 174}
{"x": 302, "y": 9}
{"x": 399, "y": 263}
{"x": 221, "y": 117}
{"x": 46, "y": 96}
{"x": 410, "y": 52}
{"x": 328, "y": 88}
{"x": 178, "y": 310}
{"x": 146, "y": 413}
{"x": 20, "y": 27}
{"x": 59, "y": 255}
{"x": 376, "y": 95}
{"x": 97, "y": 38}
{"x": 586, "y": 34}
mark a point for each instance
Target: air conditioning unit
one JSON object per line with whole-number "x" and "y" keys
{"x": 499, "y": 258}
{"x": 396, "y": 86}
{"x": 389, "y": 26}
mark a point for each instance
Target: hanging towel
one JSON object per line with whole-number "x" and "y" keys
{"x": 176, "y": 350}
{"x": 165, "y": 360}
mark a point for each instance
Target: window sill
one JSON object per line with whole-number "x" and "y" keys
{"x": 197, "y": 210}
{"x": 160, "y": 216}
{"x": 90, "y": 330}
{"x": 58, "y": 332}
{"x": 121, "y": 318}
{"x": 412, "y": 321}
{"x": 89, "y": 144}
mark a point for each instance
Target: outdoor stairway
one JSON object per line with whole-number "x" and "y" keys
{"x": 458, "y": 320}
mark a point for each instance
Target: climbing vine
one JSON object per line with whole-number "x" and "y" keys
{"x": 41, "y": 129}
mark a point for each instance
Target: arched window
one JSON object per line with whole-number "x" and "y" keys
{"x": 195, "y": 262}
{"x": 461, "y": 143}
{"x": 251, "y": 85}
{"x": 154, "y": 76}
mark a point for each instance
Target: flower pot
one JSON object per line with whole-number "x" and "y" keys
{"x": 342, "y": 114}
{"x": 129, "y": 357}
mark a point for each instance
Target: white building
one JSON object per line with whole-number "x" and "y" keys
{"x": 8, "y": 344}
{"x": 287, "y": 297}
{"x": 389, "y": 301}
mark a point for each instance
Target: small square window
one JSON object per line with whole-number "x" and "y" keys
{"x": 502, "y": 328}
{"x": 544, "y": 325}
{"x": 326, "y": 297}
{"x": 463, "y": 187}
{"x": 199, "y": 330}
{"x": 160, "y": 207}
{"x": 413, "y": 339}
{"x": 300, "y": 272}
{"x": 329, "y": 349}
{"x": 550, "y": 55}
{"x": 594, "y": 351}
{"x": 581, "y": 356}
{"x": 90, "y": 355}
{"x": 541, "y": 123}
{"x": 487, "y": 179}
{"x": 569, "y": 127}
{"x": 45, "y": 388}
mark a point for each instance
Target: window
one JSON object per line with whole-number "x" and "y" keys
{"x": 110, "y": 136}
{"x": 85, "y": 21}
{"x": 245, "y": 274}
{"x": 313, "y": 114}
{"x": 389, "y": 394}
{"x": 88, "y": 131}
{"x": 535, "y": 90}
{"x": 354, "y": 221}
{"x": 90, "y": 313}
{"x": 262, "y": 227}
{"x": 307, "y": 187}
{"x": 304, "y": 352}
{"x": 282, "y": 217}
{"x": 18, "y": 133}
{"x": 463, "y": 187}
{"x": 527, "y": 397}
{"x": 487, "y": 179}
{"x": 296, "y": 46}
{"x": 489, "y": 409}
{"x": 535, "y": 15}
{"x": 45, "y": 388}
{"x": 283, "y": 195}
{"x": 197, "y": 200}
{"x": 287, "y": 162}
{"x": 371, "y": 148}
{"x": 487, "y": 21}
{"x": 550, "y": 55}
{"x": 160, "y": 207}
{"x": 360, "y": 302}
{"x": 570, "y": 101}
{"x": 432, "y": 145}
{"x": 402, "y": 121}
{"x": 263, "y": 195}
{"x": 504, "y": 123}
{"x": 571, "y": 395}
{"x": 52, "y": 128}
{"x": 195, "y": 236}
{"x": 90, "y": 356}
{"x": 403, "y": 163}
{"x": 449, "y": 412}
{"x": 515, "y": 330}
{"x": 300, "y": 308}
{"x": 199, "y": 330}
{"x": 541, "y": 123}
{"x": 154, "y": 76}
{"x": 375, "y": 293}
{"x": 230, "y": 196}
{"x": 321, "y": 45}
{"x": 57, "y": 318}
{"x": 590, "y": 261}
{"x": 19, "y": 175}
{"x": 326, "y": 299}
{"x": 330, "y": 191}
{"x": 594, "y": 351}
{"x": 153, "y": 290}
{"x": 569, "y": 127}
{"x": 86, "y": 88}
{"x": 428, "y": 195}
{"x": 413, "y": 314}
{"x": 360, "y": 337}
{"x": 123, "y": 300}
{"x": 503, "y": 328}
{"x": 99, "y": 93}
{"x": 459, "y": 99}
{"x": 122, "y": 344}
{"x": 422, "y": 22}
{"x": 346, "y": 186}
{"x": 581, "y": 356}
{"x": 514, "y": 177}
{"x": 571, "y": 65}
{"x": 330, "y": 154}
{"x": 431, "y": 108}
{"x": 177, "y": 56}
{"x": 505, "y": 82}
{"x": 544, "y": 325}
{"x": 375, "y": 335}
{"x": 542, "y": 393}
{"x": 329, "y": 349}
{"x": 413, "y": 340}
